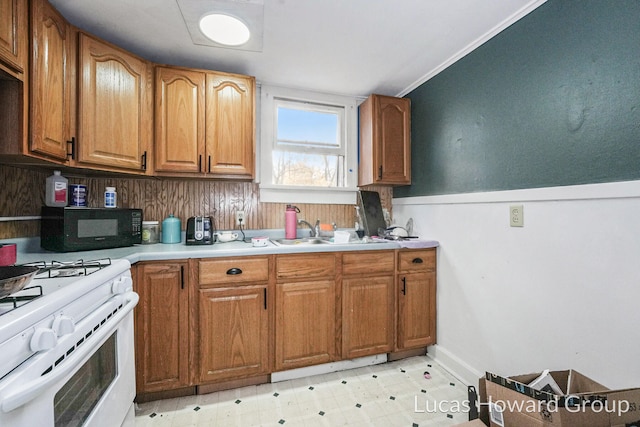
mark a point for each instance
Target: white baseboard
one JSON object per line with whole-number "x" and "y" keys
{"x": 326, "y": 368}
{"x": 454, "y": 365}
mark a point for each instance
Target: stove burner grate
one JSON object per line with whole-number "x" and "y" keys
{"x": 79, "y": 267}
{"x": 17, "y": 300}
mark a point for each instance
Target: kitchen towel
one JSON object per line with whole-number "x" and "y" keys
{"x": 417, "y": 243}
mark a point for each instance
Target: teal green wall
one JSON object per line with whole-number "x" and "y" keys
{"x": 552, "y": 100}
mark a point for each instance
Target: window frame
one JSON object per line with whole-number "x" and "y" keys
{"x": 275, "y": 193}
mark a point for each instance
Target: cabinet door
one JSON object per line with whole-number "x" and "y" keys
{"x": 179, "y": 120}
{"x": 305, "y": 324}
{"x": 233, "y": 333}
{"x": 367, "y": 316}
{"x": 14, "y": 35}
{"x": 385, "y": 141}
{"x": 52, "y": 81}
{"x": 416, "y": 310}
{"x": 115, "y": 107}
{"x": 230, "y": 133}
{"x": 394, "y": 149}
{"x": 162, "y": 327}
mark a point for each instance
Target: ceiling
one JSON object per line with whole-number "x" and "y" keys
{"x": 347, "y": 47}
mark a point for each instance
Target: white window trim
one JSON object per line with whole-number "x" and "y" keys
{"x": 271, "y": 193}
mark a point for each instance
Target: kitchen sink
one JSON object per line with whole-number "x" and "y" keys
{"x": 303, "y": 241}
{"x": 306, "y": 241}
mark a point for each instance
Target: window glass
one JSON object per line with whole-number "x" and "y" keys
{"x": 308, "y": 143}
{"x": 308, "y": 147}
{"x": 307, "y": 128}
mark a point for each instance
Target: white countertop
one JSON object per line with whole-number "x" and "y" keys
{"x": 29, "y": 250}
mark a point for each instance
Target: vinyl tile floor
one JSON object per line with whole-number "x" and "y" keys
{"x": 390, "y": 394}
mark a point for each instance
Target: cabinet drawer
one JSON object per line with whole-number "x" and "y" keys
{"x": 370, "y": 262}
{"x": 419, "y": 260}
{"x": 305, "y": 266}
{"x": 233, "y": 270}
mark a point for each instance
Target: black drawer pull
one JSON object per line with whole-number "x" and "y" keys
{"x": 417, "y": 261}
{"x": 234, "y": 271}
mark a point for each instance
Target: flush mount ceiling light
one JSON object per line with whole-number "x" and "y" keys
{"x": 225, "y": 29}
{"x": 201, "y": 14}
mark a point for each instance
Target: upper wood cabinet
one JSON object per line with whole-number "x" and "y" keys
{"x": 230, "y": 128}
{"x": 114, "y": 107}
{"x": 385, "y": 141}
{"x": 204, "y": 123}
{"x": 14, "y": 35}
{"x": 14, "y": 79}
{"x": 179, "y": 120}
{"x": 53, "y": 78}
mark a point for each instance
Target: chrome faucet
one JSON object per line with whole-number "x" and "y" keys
{"x": 315, "y": 230}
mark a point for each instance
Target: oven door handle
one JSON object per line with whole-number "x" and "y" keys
{"x": 29, "y": 391}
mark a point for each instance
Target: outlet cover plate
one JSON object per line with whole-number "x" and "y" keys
{"x": 516, "y": 215}
{"x": 240, "y": 218}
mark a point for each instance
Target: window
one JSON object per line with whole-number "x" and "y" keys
{"x": 308, "y": 147}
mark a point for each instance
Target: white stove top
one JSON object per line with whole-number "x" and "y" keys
{"x": 53, "y": 276}
{"x": 72, "y": 294}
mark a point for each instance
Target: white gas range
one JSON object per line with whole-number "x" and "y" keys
{"x": 66, "y": 347}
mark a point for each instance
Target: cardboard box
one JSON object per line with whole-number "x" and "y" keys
{"x": 509, "y": 401}
{"x": 474, "y": 423}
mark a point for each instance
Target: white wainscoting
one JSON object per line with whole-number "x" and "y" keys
{"x": 561, "y": 292}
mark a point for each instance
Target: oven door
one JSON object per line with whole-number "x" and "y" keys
{"x": 87, "y": 379}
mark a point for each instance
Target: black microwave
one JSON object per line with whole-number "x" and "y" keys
{"x": 83, "y": 229}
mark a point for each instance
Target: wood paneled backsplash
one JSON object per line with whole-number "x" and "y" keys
{"x": 23, "y": 191}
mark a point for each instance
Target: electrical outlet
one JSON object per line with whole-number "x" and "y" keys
{"x": 240, "y": 218}
{"x": 516, "y": 215}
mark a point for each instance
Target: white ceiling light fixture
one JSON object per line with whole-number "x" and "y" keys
{"x": 225, "y": 29}
{"x": 247, "y": 16}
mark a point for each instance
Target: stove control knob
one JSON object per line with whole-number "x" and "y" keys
{"x": 63, "y": 325}
{"x": 121, "y": 285}
{"x": 43, "y": 339}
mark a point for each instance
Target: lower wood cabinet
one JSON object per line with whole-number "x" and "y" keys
{"x": 162, "y": 326}
{"x": 216, "y": 322}
{"x": 232, "y": 324}
{"x": 416, "y": 298}
{"x": 305, "y": 324}
{"x": 233, "y": 333}
{"x": 305, "y": 310}
{"x": 368, "y": 308}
